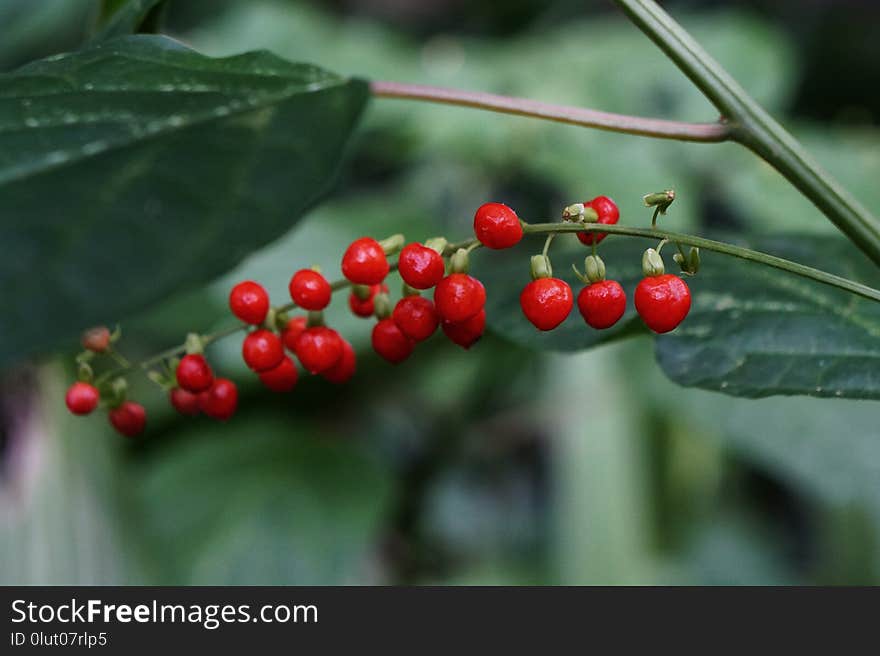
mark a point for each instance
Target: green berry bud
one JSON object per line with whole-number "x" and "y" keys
{"x": 652, "y": 263}
{"x": 382, "y": 305}
{"x": 361, "y": 291}
{"x": 459, "y": 262}
{"x": 594, "y": 268}
{"x": 540, "y": 267}
{"x": 439, "y": 244}
{"x": 392, "y": 244}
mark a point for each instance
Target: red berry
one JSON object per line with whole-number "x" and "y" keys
{"x": 310, "y": 290}
{"x": 390, "y": 342}
{"x": 194, "y": 373}
{"x": 186, "y": 403}
{"x": 602, "y": 303}
{"x": 497, "y": 226}
{"x": 282, "y": 378}
{"x": 663, "y": 301}
{"x": 416, "y": 317}
{"x": 458, "y": 297}
{"x": 292, "y": 331}
{"x": 319, "y": 348}
{"x": 364, "y": 307}
{"x": 82, "y": 398}
{"x": 249, "y": 301}
{"x": 608, "y": 214}
{"x": 96, "y": 339}
{"x": 420, "y": 267}
{"x": 221, "y": 400}
{"x": 129, "y": 418}
{"x": 262, "y": 350}
{"x": 364, "y": 262}
{"x": 343, "y": 370}
{"x": 546, "y": 302}
{"x": 466, "y": 333}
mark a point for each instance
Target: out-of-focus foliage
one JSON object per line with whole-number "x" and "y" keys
{"x": 499, "y": 465}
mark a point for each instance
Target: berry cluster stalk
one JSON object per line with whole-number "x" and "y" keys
{"x": 547, "y": 229}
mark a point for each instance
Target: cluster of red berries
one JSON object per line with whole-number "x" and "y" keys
{"x": 457, "y": 307}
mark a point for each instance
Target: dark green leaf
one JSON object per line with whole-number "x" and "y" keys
{"x": 138, "y": 167}
{"x": 755, "y": 331}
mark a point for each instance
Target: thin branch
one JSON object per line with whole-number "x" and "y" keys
{"x": 591, "y": 118}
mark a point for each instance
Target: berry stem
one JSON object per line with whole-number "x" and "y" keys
{"x": 717, "y": 246}
{"x": 590, "y": 118}
{"x": 550, "y": 230}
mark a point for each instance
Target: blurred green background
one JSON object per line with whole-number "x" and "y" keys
{"x": 500, "y": 465}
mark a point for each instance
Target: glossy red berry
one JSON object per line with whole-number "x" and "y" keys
{"x": 186, "y": 403}
{"x": 249, "y": 301}
{"x": 319, "y": 348}
{"x": 466, "y": 333}
{"x": 310, "y": 290}
{"x": 662, "y": 301}
{"x": 82, "y": 398}
{"x": 364, "y": 262}
{"x": 343, "y": 370}
{"x": 96, "y": 339}
{"x": 602, "y": 303}
{"x": 608, "y": 215}
{"x": 129, "y": 418}
{"x": 281, "y": 378}
{"x": 194, "y": 373}
{"x": 262, "y": 350}
{"x": 416, "y": 317}
{"x": 365, "y": 307}
{"x": 420, "y": 267}
{"x": 292, "y": 331}
{"x": 546, "y": 302}
{"x": 390, "y": 342}
{"x": 221, "y": 400}
{"x": 459, "y": 297}
{"x": 497, "y": 226}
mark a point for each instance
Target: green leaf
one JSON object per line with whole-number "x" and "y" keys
{"x": 276, "y": 506}
{"x": 752, "y": 330}
{"x": 139, "y": 167}
{"x": 755, "y": 331}
{"x": 126, "y": 19}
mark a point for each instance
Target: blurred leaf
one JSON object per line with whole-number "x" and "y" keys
{"x": 271, "y": 506}
{"x": 126, "y": 19}
{"x": 36, "y": 28}
{"x": 154, "y": 147}
{"x": 755, "y": 331}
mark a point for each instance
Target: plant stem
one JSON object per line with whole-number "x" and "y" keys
{"x": 753, "y": 127}
{"x": 591, "y": 118}
{"x": 717, "y": 246}
{"x": 551, "y": 229}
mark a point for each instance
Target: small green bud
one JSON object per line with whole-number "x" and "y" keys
{"x": 84, "y": 372}
{"x": 694, "y": 259}
{"x": 406, "y": 290}
{"x": 652, "y": 263}
{"x": 392, "y": 244}
{"x": 361, "y": 291}
{"x": 459, "y": 262}
{"x": 594, "y": 268}
{"x": 540, "y": 267}
{"x": 382, "y": 305}
{"x": 193, "y": 343}
{"x": 662, "y": 200}
{"x": 315, "y": 318}
{"x": 439, "y": 244}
